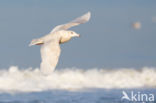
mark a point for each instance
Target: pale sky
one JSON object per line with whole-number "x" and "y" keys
{"x": 107, "y": 40}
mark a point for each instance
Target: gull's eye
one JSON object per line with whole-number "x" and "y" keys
{"x": 71, "y": 32}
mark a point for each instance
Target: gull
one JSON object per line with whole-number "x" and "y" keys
{"x": 50, "y": 43}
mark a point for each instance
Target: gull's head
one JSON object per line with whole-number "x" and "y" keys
{"x": 67, "y": 35}
{"x": 73, "y": 34}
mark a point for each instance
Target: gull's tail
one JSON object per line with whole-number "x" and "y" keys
{"x": 36, "y": 42}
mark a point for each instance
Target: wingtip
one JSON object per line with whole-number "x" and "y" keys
{"x": 88, "y": 15}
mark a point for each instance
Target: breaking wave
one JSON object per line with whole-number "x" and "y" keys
{"x": 28, "y": 80}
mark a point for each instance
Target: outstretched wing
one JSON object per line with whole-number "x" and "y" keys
{"x": 50, "y": 53}
{"x": 77, "y": 21}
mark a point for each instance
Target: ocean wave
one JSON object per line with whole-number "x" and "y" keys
{"x": 29, "y": 80}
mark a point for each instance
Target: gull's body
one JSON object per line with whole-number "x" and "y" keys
{"x": 50, "y": 44}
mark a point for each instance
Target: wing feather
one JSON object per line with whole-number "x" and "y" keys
{"x": 75, "y": 22}
{"x": 50, "y": 53}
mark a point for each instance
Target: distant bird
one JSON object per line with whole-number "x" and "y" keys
{"x": 136, "y": 25}
{"x": 50, "y": 44}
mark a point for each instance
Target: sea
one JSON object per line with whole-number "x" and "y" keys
{"x": 77, "y": 85}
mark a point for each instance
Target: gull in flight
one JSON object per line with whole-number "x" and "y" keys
{"x": 50, "y": 43}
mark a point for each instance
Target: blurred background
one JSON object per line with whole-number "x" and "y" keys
{"x": 120, "y": 33}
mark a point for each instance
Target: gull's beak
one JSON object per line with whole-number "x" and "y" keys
{"x": 78, "y": 35}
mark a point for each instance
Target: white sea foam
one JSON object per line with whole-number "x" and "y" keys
{"x": 27, "y": 80}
